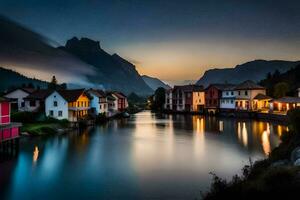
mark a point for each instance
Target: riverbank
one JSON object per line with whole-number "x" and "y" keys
{"x": 238, "y": 114}
{"x": 277, "y": 177}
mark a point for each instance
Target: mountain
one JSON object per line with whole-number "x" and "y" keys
{"x": 80, "y": 63}
{"x": 154, "y": 83}
{"x": 111, "y": 71}
{"x": 254, "y": 70}
{"x": 30, "y": 53}
{"x": 11, "y": 79}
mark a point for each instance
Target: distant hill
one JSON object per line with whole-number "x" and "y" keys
{"x": 154, "y": 83}
{"x": 291, "y": 77}
{"x": 254, "y": 70}
{"x": 11, "y": 79}
{"x": 80, "y": 63}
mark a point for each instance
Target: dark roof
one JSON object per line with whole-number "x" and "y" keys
{"x": 71, "y": 95}
{"x": 39, "y": 94}
{"x": 109, "y": 96}
{"x": 189, "y": 88}
{"x": 248, "y": 85}
{"x": 287, "y": 100}
{"x": 98, "y": 93}
{"x": 222, "y": 87}
{"x": 4, "y": 99}
{"x": 261, "y": 97}
{"x": 27, "y": 90}
{"x": 119, "y": 95}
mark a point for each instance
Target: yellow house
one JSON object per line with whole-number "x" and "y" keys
{"x": 245, "y": 94}
{"x": 198, "y": 99}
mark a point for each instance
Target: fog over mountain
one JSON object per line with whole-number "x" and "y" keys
{"x": 31, "y": 54}
{"x": 81, "y": 62}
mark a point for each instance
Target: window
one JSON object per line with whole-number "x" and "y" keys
{"x": 227, "y": 93}
{"x": 246, "y": 93}
{"x": 239, "y": 92}
{"x": 232, "y": 93}
{"x": 231, "y": 101}
{"x": 51, "y": 113}
{"x": 32, "y": 103}
{"x": 23, "y": 104}
{"x": 100, "y": 106}
{"x": 60, "y": 113}
{"x": 55, "y": 103}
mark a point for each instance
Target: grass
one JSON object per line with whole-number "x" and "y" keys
{"x": 41, "y": 128}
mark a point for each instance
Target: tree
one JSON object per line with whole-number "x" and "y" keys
{"x": 159, "y": 99}
{"x": 53, "y": 83}
{"x": 280, "y": 89}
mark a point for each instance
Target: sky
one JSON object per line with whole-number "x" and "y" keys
{"x": 170, "y": 39}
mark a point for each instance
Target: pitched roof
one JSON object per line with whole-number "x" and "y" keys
{"x": 119, "y": 95}
{"x": 261, "y": 97}
{"x": 287, "y": 100}
{"x": 27, "y": 90}
{"x": 71, "y": 95}
{"x": 39, "y": 94}
{"x": 4, "y": 99}
{"x": 248, "y": 85}
{"x": 222, "y": 87}
{"x": 189, "y": 88}
{"x": 97, "y": 93}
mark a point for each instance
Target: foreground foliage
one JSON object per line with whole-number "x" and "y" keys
{"x": 275, "y": 177}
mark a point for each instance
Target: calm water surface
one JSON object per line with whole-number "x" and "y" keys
{"x": 145, "y": 157}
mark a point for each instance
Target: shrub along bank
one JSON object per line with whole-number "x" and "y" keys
{"x": 277, "y": 177}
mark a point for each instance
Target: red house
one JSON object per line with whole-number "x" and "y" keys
{"x": 213, "y": 94}
{"x": 8, "y": 130}
{"x": 121, "y": 101}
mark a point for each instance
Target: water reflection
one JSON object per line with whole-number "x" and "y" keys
{"x": 35, "y": 154}
{"x": 148, "y": 156}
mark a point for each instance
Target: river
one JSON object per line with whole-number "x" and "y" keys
{"x": 147, "y": 156}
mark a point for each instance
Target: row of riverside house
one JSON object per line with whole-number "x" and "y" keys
{"x": 67, "y": 104}
{"x": 247, "y": 96}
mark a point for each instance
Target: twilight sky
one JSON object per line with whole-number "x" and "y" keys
{"x": 170, "y": 39}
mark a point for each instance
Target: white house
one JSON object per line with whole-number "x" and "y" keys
{"x": 112, "y": 103}
{"x": 67, "y": 104}
{"x": 17, "y": 96}
{"x": 99, "y": 103}
{"x": 36, "y": 100}
{"x": 56, "y": 106}
{"x": 227, "y": 100}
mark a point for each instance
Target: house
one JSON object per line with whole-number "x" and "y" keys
{"x": 284, "y": 104}
{"x": 245, "y": 94}
{"x": 17, "y": 97}
{"x": 111, "y": 102}
{"x": 213, "y": 94}
{"x": 168, "y": 99}
{"x": 227, "y": 100}
{"x": 189, "y": 98}
{"x": 36, "y": 100}
{"x": 99, "y": 103}
{"x": 261, "y": 103}
{"x": 67, "y": 104}
{"x": 122, "y": 102}
{"x": 8, "y": 130}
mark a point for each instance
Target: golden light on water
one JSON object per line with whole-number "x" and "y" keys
{"x": 35, "y": 154}
{"x": 221, "y": 126}
{"x": 245, "y": 135}
{"x": 265, "y": 137}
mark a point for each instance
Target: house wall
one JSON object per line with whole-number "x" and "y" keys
{"x": 30, "y": 108}
{"x": 78, "y": 108}
{"x": 244, "y": 98}
{"x": 4, "y": 113}
{"x": 99, "y": 104}
{"x": 198, "y": 100}
{"x": 228, "y": 99}
{"x": 19, "y": 95}
{"x": 212, "y": 97}
{"x": 168, "y": 100}
{"x": 62, "y": 105}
